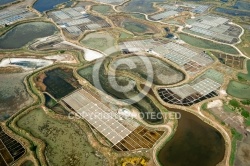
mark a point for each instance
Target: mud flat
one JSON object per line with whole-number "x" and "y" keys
{"x": 239, "y": 90}
{"x": 100, "y": 41}
{"x": 66, "y": 143}
{"x": 197, "y": 42}
{"x": 13, "y": 94}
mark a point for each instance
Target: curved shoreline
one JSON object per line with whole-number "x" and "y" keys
{"x": 216, "y": 125}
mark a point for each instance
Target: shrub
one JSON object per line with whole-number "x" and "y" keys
{"x": 234, "y": 103}
{"x": 240, "y": 78}
{"x": 245, "y": 113}
{"x": 245, "y": 102}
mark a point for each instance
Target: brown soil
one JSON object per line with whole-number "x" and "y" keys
{"x": 39, "y": 82}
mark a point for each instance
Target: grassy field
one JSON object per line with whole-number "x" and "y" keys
{"x": 66, "y": 143}
{"x": 137, "y": 15}
{"x": 103, "y": 9}
{"x": 244, "y": 46}
{"x": 28, "y": 163}
{"x": 236, "y": 137}
{"x": 163, "y": 73}
{"x": 98, "y": 40}
{"x": 124, "y": 35}
{"x": 238, "y": 90}
{"x": 207, "y": 44}
{"x": 135, "y": 27}
{"x": 246, "y": 76}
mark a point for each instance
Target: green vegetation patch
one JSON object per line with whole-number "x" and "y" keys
{"x": 99, "y": 41}
{"x": 13, "y": 94}
{"x": 243, "y": 76}
{"x": 135, "y": 27}
{"x": 138, "y": 15}
{"x": 59, "y": 109}
{"x": 103, "y": 9}
{"x": 163, "y": 73}
{"x": 124, "y": 35}
{"x": 28, "y": 163}
{"x": 244, "y": 46}
{"x": 234, "y": 103}
{"x": 227, "y": 108}
{"x": 66, "y": 143}
{"x": 245, "y": 113}
{"x": 197, "y": 42}
{"x": 247, "y": 121}
{"x": 238, "y": 90}
{"x": 245, "y": 102}
{"x": 49, "y": 102}
{"x": 236, "y": 137}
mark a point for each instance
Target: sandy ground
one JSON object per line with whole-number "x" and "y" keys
{"x": 39, "y": 62}
{"x": 62, "y": 58}
{"x": 89, "y": 55}
{"x": 215, "y": 103}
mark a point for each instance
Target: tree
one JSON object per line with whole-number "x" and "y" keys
{"x": 234, "y": 103}
{"x": 245, "y": 113}
{"x": 245, "y": 102}
{"x": 240, "y": 78}
{"x": 33, "y": 148}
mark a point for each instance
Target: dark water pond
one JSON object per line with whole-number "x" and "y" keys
{"x": 22, "y": 34}
{"x": 232, "y": 12}
{"x": 3, "y": 2}
{"x": 242, "y": 5}
{"x": 195, "y": 143}
{"x": 60, "y": 82}
{"x": 45, "y": 5}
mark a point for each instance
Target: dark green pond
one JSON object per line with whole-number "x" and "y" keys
{"x": 45, "y": 5}
{"x": 142, "y": 6}
{"x": 22, "y": 34}
{"x": 60, "y": 82}
{"x": 195, "y": 143}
